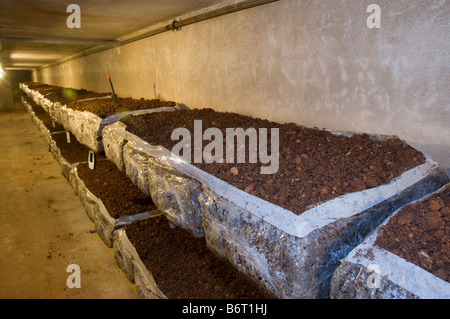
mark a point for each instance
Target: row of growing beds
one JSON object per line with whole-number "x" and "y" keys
{"x": 324, "y": 225}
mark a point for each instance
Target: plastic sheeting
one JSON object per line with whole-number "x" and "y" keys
{"x": 136, "y": 167}
{"x": 105, "y": 225}
{"x": 42, "y": 128}
{"x": 95, "y": 209}
{"x": 66, "y": 167}
{"x": 136, "y": 272}
{"x": 24, "y": 87}
{"x": 291, "y": 256}
{"x": 85, "y": 126}
{"x": 295, "y": 256}
{"x": 375, "y": 273}
{"x": 175, "y": 194}
{"x": 113, "y": 143}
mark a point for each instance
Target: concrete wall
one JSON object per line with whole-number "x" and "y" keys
{"x": 10, "y": 92}
{"x": 312, "y": 62}
{"x": 6, "y": 97}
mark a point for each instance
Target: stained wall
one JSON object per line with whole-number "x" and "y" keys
{"x": 311, "y": 62}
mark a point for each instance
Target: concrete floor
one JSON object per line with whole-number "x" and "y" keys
{"x": 44, "y": 227}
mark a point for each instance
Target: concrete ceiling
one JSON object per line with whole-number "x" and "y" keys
{"x": 34, "y": 33}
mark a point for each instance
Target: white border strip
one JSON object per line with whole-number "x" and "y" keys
{"x": 403, "y": 273}
{"x": 303, "y": 224}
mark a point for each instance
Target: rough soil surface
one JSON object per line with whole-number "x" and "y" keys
{"x": 39, "y": 86}
{"x": 45, "y": 118}
{"x": 314, "y": 165}
{"x": 183, "y": 266}
{"x": 106, "y": 107}
{"x": 420, "y": 233}
{"x": 73, "y": 152}
{"x": 102, "y": 107}
{"x": 119, "y": 195}
{"x": 66, "y": 96}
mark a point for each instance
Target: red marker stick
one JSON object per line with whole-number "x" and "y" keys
{"x": 112, "y": 88}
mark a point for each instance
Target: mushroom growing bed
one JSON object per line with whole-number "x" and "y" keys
{"x": 420, "y": 233}
{"x": 42, "y": 115}
{"x": 85, "y": 113}
{"x": 167, "y": 262}
{"x": 66, "y": 150}
{"x": 111, "y": 200}
{"x": 286, "y": 231}
{"x": 180, "y": 265}
{"x": 407, "y": 257}
{"x": 172, "y": 260}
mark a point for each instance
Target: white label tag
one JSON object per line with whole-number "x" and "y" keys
{"x": 91, "y": 160}
{"x": 68, "y": 137}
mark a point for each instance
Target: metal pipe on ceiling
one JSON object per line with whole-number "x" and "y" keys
{"x": 175, "y": 25}
{"x": 58, "y": 41}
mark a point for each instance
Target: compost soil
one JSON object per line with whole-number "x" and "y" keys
{"x": 45, "y": 118}
{"x": 314, "y": 165}
{"x": 38, "y": 86}
{"x": 73, "y": 152}
{"x": 182, "y": 265}
{"x": 113, "y": 187}
{"x": 420, "y": 233}
{"x": 66, "y": 96}
{"x": 101, "y": 104}
{"x": 106, "y": 107}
